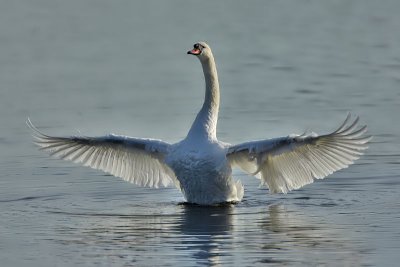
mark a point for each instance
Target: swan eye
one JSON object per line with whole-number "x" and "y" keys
{"x": 199, "y": 46}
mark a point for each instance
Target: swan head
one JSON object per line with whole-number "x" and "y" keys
{"x": 201, "y": 50}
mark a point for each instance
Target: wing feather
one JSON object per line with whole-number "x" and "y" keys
{"x": 288, "y": 163}
{"x": 139, "y": 161}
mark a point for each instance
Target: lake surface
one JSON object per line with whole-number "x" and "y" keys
{"x": 96, "y": 67}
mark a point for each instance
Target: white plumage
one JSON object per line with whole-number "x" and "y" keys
{"x": 201, "y": 166}
{"x": 291, "y": 162}
{"x": 139, "y": 161}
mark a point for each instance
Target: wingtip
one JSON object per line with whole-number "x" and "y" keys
{"x": 348, "y": 127}
{"x": 36, "y": 134}
{"x": 344, "y": 123}
{"x": 368, "y": 138}
{"x": 28, "y": 122}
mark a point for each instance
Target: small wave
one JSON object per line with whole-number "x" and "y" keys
{"x": 107, "y": 215}
{"x": 29, "y": 198}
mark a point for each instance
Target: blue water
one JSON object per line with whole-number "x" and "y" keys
{"x": 96, "y": 67}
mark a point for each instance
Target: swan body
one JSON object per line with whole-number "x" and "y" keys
{"x": 204, "y": 172}
{"x": 201, "y": 165}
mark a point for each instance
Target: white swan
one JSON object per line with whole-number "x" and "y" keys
{"x": 201, "y": 166}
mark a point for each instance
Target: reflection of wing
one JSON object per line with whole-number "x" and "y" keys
{"x": 139, "y": 161}
{"x": 291, "y": 162}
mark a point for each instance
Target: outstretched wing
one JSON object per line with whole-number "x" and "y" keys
{"x": 139, "y": 161}
{"x": 288, "y": 163}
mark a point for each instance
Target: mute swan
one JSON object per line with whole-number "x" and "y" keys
{"x": 200, "y": 165}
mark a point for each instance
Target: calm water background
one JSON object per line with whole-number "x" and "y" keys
{"x": 121, "y": 66}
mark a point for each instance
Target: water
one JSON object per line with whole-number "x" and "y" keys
{"x": 120, "y": 66}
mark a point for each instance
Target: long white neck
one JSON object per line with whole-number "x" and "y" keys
{"x": 205, "y": 124}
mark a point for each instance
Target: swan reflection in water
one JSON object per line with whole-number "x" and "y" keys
{"x": 187, "y": 234}
{"x": 217, "y": 235}
{"x": 207, "y": 231}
